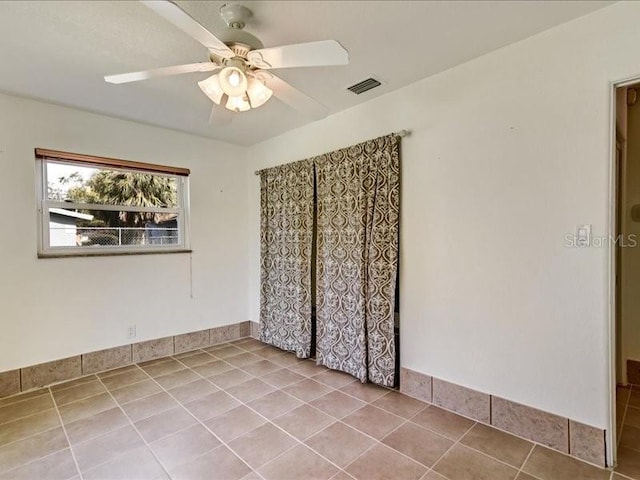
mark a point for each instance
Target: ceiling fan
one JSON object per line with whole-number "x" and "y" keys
{"x": 242, "y": 78}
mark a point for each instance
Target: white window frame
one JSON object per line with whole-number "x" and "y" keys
{"x": 45, "y": 250}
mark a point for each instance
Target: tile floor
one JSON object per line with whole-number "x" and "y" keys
{"x": 628, "y": 431}
{"x": 243, "y": 410}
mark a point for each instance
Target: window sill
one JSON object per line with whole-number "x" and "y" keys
{"x": 110, "y": 254}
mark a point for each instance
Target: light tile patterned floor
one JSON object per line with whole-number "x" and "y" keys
{"x": 628, "y": 431}
{"x": 243, "y": 410}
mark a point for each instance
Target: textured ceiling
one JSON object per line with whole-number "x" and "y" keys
{"x": 59, "y": 52}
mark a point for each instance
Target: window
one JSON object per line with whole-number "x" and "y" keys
{"x": 98, "y": 206}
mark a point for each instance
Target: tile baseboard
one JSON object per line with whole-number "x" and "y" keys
{"x": 463, "y": 400}
{"x": 9, "y": 383}
{"x": 581, "y": 441}
{"x": 537, "y": 425}
{"x": 416, "y": 385}
{"x": 28, "y": 378}
{"x": 254, "y": 328}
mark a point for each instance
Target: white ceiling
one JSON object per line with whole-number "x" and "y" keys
{"x": 59, "y": 52}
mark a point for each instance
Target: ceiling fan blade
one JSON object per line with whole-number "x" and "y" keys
{"x": 312, "y": 54}
{"x": 220, "y": 116}
{"x": 161, "y": 72}
{"x": 185, "y": 22}
{"x": 295, "y": 98}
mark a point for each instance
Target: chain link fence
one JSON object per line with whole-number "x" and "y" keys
{"x": 112, "y": 236}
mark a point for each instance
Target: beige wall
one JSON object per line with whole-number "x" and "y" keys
{"x": 508, "y": 154}
{"x": 55, "y": 308}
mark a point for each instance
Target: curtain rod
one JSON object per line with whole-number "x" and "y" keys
{"x": 401, "y": 133}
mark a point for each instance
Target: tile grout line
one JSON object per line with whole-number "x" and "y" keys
{"x": 269, "y": 421}
{"x": 542, "y": 445}
{"x": 30, "y": 436}
{"x": 361, "y": 454}
{"x": 494, "y": 458}
{"x": 56, "y": 407}
{"x": 84, "y": 377}
{"x": 519, "y": 436}
{"x": 46, "y": 391}
{"x": 340, "y": 420}
{"x": 38, "y": 458}
{"x": 343, "y": 473}
{"x": 459, "y": 440}
{"x": 627, "y": 406}
{"x": 78, "y": 400}
{"x": 303, "y": 402}
{"x": 333, "y": 388}
{"x": 107, "y": 390}
{"x": 66, "y": 435}
{"x": 378, "y": 442}
{"x": 24, "y": 417}
{"x": 199, "y": 421}
{"x": 306, "y": 378}
{"x": 131, "y": 363}
{"x": 404, "y": 421}
{"x": 134, "y": 427}
{"x": 624, "y": 417}
{"x": 623, "y": 475}
{"x": 118, "y": 404}
{"x": 520, "y": 470}
{"x": 168, "y": 358}
{"x": 392, "y": 413}
{"x": 456, "y": 442}
{"x": 338, "y": 389}
{"x": 297, "y": 442}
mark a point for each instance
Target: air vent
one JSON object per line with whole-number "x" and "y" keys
{"x": 364, "y": 85}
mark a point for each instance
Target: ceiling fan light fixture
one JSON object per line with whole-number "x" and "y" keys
{"x": 258, "y": 92}
{"x": 238, "y": 103}
{"x": 233, "y": 80}
{"x": 212, "y": 89}
{"x": 242, "y": 62}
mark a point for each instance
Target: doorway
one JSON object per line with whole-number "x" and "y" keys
{"x": 625, "y": 279}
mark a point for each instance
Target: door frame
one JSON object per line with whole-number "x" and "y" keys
{"x": 614, "y": 185}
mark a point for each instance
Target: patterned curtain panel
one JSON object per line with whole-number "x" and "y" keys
{"x": 357, "y": 258}
{"x": 286, "y": 202}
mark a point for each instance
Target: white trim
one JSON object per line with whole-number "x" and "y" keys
{"x": 185, "y": 227}
{"x": 97, "y": 166}
{"x": 69, "y": 213}
{"x": 45, "y": 207}
{"x": 110, "y": 250}
{"x": 611, "y": 433}
{"x": 112, "y": 208}
{"x": 627, "y": 81}
{"x": 43, "y": 210}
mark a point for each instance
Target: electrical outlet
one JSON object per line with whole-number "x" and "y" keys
{"x": 583, "y": 235}
{"x": 131, "y": 331}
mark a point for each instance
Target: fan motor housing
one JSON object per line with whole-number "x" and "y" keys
{"x": 240, "y": 49}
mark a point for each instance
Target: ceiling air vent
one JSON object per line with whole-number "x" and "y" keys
{"x": 364, "y": 85}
